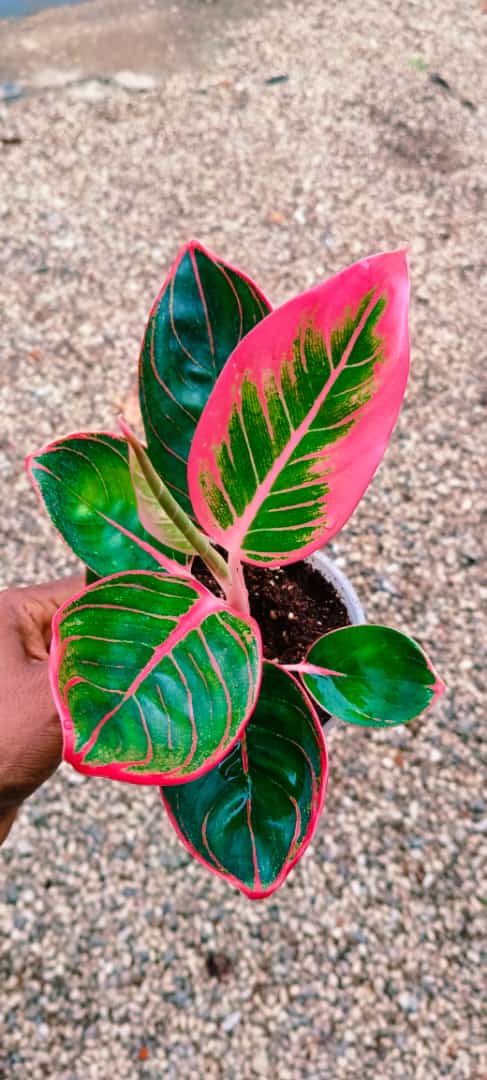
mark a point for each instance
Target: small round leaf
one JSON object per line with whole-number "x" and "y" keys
{"x": 370, "y": 675}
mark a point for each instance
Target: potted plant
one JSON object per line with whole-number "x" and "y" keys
{"x": 263, "y": 429}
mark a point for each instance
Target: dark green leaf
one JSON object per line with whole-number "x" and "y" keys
{"x": 371, "y": 675}
{"x": 204, "y": 309}
{"x": 252, "y": 817}
{"x": 84, "y": 482}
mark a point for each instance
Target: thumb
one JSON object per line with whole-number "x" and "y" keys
{"x": 49, "y": 597}
{"x": 26, "y": 615}
{"x": 55, "y": 593}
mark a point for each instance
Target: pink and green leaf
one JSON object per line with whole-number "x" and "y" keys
{"x": 301, "y": 415}
{"x": 205, "y": 307}
{"x": 85, "y": 485}
{"x": 154, "y": 678}
{"x": 370, "y": 675}
{"x": 252, "y": 817}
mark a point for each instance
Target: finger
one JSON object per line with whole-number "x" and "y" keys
{"x": 26, "y": 616}
{"x": 43, "y": 603}
{"x": 55, "y": 593}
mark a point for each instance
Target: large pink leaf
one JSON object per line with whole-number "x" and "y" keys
{"x": 301, "y": 415}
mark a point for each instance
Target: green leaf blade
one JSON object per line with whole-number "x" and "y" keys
{"x": 204, "y": 309}
{"x": 371, "y": 675}
{"x": 84, "y": 483}
{"x": 251, "y": 818}
{"x": 154, "y": 678}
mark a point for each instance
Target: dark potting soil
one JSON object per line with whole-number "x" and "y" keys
{"x": 293, "y": 606}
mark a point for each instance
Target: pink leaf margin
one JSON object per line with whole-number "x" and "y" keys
{"x": 115, "y": 771}
{"x": 324, "y": 305}
{"x": 170, "y": 565}
{"x": 259, "y": 893}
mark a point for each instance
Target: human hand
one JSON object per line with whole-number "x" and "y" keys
{"x": 30, "y": 731}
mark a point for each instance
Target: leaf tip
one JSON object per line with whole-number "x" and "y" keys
{"x": 397, "y": 260}
{"x": 189, "y": 248}
{"x": 438, "y": 687}
{"x": 193, "y": 244}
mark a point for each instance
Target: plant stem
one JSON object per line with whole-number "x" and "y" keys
{"x": 236, "y": 591}
{"x": 198, "y": 541}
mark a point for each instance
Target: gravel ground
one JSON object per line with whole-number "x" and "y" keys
{"x": 118, "y": 957}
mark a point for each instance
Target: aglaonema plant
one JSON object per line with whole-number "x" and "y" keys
{"x": 263, "y": 429}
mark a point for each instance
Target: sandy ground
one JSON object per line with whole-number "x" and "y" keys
{"x": 118, "y": 957}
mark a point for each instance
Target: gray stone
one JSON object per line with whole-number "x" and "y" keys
{"x": 135, "y": 80}
{"x": 10, "y": 91}
{"x": 230, "y": 1022}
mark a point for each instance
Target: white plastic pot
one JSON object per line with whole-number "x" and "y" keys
{"x": 331, "y": 572}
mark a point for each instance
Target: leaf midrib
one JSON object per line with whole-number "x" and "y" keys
{"x": 238, "y": 532}
{"x": 208, "y": 604}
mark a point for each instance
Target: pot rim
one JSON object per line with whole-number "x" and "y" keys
{"x": 332, "y": 573}
{"x": 326, "y": 566}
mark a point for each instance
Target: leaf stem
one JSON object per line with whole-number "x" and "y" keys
{"x": 310, "y": 669}
{"x": 201, "y": 544}
{"x": 236, "y": 591}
